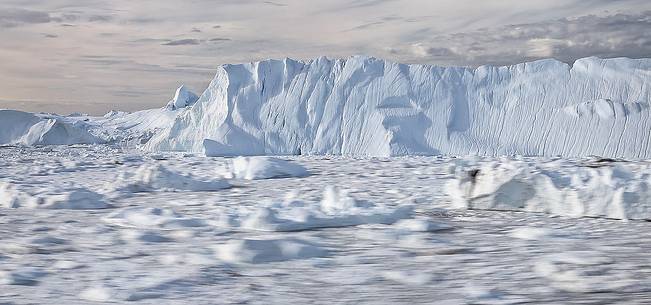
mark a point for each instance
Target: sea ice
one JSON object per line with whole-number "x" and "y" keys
{"x": 337, "y": 209}
{"x": 258, "y": 251}
{"x": 254, "y": 168}
{"x": 156, "y": 177}
{"x": 609, "y": 191}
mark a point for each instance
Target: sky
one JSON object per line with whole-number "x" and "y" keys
{"x": 93, "y": 56}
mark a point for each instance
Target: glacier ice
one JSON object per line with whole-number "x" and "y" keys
{"x": 363, "y": 106}
{"x": 262, "y": 167}
{"x": 182, "y": 98}
{"x": 605, "y": 191}
{"x": 18, "y": 127}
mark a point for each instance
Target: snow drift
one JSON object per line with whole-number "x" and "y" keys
{"x": 364, "y": 106}
{"x": 17, "y": 127}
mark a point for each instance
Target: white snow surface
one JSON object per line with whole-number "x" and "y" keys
{"x": 363, "y": 106}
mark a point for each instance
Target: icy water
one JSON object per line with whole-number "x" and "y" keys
{"x": 68, "y": 256}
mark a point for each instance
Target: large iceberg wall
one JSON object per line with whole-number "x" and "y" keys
{"x": 364, "y": 106}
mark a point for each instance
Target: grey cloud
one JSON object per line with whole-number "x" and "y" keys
{"x": 19, "y": 16}
{"x": 565, "y": 39}
{"x": 219, "y": 39}
{"x": 100, "y": 18}
{"x": 182, "y": 42}
{"x": 274, "y": 3}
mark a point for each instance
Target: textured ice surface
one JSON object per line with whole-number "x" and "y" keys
{"x": 259, "y": 251}
{"x": 364, "y": 106}
{"x": 12, "y": 196}
{"x": 593, "y": 190}
{"x": 182, "y": 98}
{"x": 191, "y": 247}
{"x": 252, "y": 168}
{"x": 155, "y": 177}
{"x": 17, "y": 127}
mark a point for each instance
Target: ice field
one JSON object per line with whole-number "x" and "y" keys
{"x": 89, "y": 224}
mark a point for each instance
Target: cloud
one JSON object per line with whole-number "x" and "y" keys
{"x": 274, "y": 3}
{"x": 566, "y": 39}
{"x": 100, "y": 18}
{"x": 120, "y": 37}
{"x": 182, "y": 42}
{"x": 18, "y": 16}
{"x": 219, "y": 39}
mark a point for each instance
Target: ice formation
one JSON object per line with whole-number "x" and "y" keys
{"x": 13, "y": 196}
{"x": 364, "y": 106}
{"x": 610, "y": 191}
{"x": 156, "y": 177}
{"x": 336, "y": 209}
{"x": 182, "y": 98}
{"x": 258, "y": 251}
{"x": 18, "y": 127}
{"x": 146, "y": 218}
{"x": 261, "y": 167}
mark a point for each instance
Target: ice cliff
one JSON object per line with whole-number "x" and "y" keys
{"x": 370, "y": 107}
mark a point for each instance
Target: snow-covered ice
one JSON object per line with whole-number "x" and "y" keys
{"x": 17, "y": 127}
{"x": 259, "y": 251}
{"x": 352, "y": 228}
{"x": 262, "y": 167}
{"x": 618, "y": 190}
{"x": 353, "y": 181}
{"x": 363, "y": 106}
{"x": 155, "y": 177}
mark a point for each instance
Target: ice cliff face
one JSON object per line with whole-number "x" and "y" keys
{"x": 369, "y": 107}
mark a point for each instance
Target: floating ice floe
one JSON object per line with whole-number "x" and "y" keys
{"x": 143, "y": 217}
{"x": 156, "y": 177}
{"x": 258, "y": 251}
{"x": 12, "y": 196}
{"x": 580, "y": 191}
{"x": 254, "y": 168}
{"x": 337, "y": 209}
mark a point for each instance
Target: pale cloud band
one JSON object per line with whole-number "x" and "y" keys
{"x": 94, "y": 55}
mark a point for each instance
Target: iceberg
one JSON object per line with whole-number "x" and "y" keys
{"x": 18, "y": 127}
{"x": 363, "y": 106}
